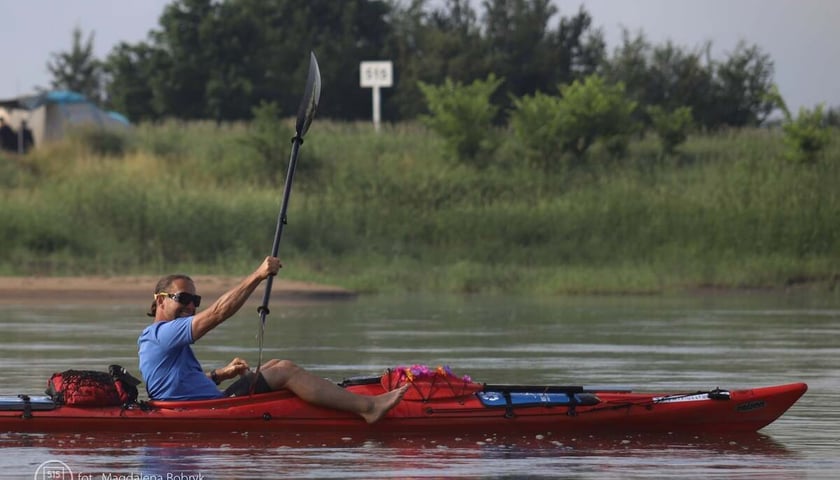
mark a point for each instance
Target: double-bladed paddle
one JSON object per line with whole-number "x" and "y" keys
{"x": 306, "y": 112}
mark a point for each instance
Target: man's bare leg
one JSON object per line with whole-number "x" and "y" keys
{"x": 319, "y": 391}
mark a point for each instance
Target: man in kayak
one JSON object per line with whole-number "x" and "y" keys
{"x": 172, "y": 372}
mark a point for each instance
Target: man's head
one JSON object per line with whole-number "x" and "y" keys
{"x": 174, "y": 297}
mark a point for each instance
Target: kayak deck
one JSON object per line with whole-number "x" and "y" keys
{"x": 473, "y": 408}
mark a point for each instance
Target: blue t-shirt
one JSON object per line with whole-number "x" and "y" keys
{"x": 168, "y": 364}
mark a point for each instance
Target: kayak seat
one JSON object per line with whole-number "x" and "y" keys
{"x": 360, "y": 380}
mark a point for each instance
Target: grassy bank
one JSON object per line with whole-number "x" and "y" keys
{"x": 389, "y": 212}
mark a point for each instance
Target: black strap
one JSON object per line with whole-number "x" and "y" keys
{"x": 573, "y": 401}
{"x": 27, "y": 406}
{"x": 119, "y": 373}
{"x": 508, "y": 405}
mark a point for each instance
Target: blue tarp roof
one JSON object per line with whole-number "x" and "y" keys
{"x": 65, "y": 97}
{"x": 31, "y": 102}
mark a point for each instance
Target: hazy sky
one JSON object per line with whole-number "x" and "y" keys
{"x": 801, "y": 36}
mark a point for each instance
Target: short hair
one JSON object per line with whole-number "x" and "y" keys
{"x": 162, "y": 285}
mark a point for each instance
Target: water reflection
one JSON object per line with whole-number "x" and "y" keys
{"x": 233, "y": 456}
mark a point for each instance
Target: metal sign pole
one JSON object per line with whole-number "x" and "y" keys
{"x": 375, "y": 75}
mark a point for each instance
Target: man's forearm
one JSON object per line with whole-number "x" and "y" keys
{"x": 227, "y": 305}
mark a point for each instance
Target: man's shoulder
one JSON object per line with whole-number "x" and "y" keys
{"x": 166, "y": 325}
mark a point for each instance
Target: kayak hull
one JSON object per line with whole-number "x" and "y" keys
{"x": 593, "y": 411}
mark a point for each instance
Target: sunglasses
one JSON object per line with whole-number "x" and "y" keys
{"x": 183, "y": 298}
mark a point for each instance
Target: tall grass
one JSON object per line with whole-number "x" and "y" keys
{"x": 389, "y": 211}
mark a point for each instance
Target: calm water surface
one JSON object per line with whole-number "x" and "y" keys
{"x": 650, "y": 343}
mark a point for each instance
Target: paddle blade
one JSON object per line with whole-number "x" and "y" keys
{"x": 309, "y": 103}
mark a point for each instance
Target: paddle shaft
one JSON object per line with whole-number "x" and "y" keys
{"x": 297, "y": 141}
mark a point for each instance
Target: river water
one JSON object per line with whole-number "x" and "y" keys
{"x": 682, "y": 343}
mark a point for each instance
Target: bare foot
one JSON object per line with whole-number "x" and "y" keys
{"x": 383, "y": 403}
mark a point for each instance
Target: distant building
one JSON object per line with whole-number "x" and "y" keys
{"x": 51, "y": 115}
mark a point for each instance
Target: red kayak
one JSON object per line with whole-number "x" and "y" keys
{"x": 436, "y": 403}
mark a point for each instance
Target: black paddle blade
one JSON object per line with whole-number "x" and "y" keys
{"x": 309, "y": 103}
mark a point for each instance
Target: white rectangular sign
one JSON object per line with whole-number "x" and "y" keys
{"x": 376, "y": 74}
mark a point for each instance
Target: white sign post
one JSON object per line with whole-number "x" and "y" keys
{"x": 376, "y": 75}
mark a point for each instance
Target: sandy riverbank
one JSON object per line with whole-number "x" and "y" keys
{"x": 138, "y": 289}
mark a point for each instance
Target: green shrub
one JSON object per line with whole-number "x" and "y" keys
{"x": 463, "y": 116}
{"x": 671, "y": 127}
{"x": 105, "y": 142}
{"x": 590, "y": 110}
{"x": 268, "y": 140}
{"x": 537, "y": 125}
{"x": 806, "y": 136}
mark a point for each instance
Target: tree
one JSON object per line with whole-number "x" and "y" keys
{"x": 130, "y": 69}
{"x": 832, "y": 116}
{"x": 677, "y": 77}
{"x": 630, "y": 65}
{"x": 576, "y": 50}
{"x": 524, "y": 49}
{"x": 428, "y": 46}
{"x": 179, "y": 88}
{"x": 78, "y": 70}
{"x": 742, "y": 84}
{"x": 664, "y": 76}
{"x": 219, "y": 59}
{"x": 516, "y": 32}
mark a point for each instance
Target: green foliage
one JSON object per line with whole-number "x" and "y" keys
{"x": 671, "y": 127}
{"x": 269, "y": 145}
{"x": 537, "y": 125}
{"x": 103, "y": 142}
{"x": 806, "y": 136}
{"x": 678, "y": 77}
{"x": 429, "y": 46}
{"x": 743, "y": 82}
{"x": 165, "y": 140}
{"x": 590, "y": 110}
{"x": 219, "y": 59}
{"x": 131, "y": 69}
{"x": 832, "y": 117}
{"x": 386, "y": 212}
{"x": 523, "y": 48}
{"x": 463, "y": 116}
{"x": 78, "y": 70}
{"x": 730, "y": 92}
{"x": 546, "y": 127}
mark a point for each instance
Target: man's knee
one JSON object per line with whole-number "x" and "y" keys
{"x": 278, "y": 372}
{"x": 282, "y": 365}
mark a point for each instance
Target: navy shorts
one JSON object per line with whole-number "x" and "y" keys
{"x": 242, "y": 387}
